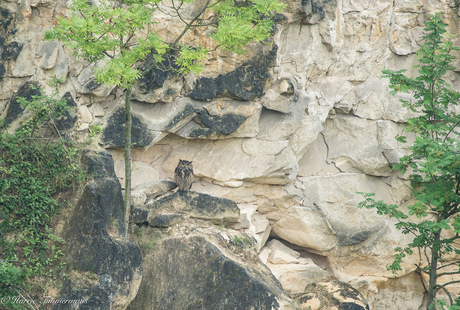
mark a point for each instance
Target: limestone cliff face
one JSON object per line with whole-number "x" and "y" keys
{"x": 290, "y": 131}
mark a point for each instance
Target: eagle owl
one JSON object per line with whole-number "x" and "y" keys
{"x": 183, "y": 175}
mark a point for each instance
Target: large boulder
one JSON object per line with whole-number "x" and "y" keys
{"x": 95, "y": 245}
{"x": 197, "y": 271}
{"x": 197, "y": 205}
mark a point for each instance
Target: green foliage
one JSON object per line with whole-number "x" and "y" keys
{"x": 33, "y": 169}
{"x": 94, "y": 130}
{"x": 120, "y": 34}
{"x": 244, "y": 21}
{"x": 433, "y": 163}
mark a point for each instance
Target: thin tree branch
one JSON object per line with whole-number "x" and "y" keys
{"x": 450, "y": 264}
{"x": 448, "y": 294}
{"x": 189, "y": 25}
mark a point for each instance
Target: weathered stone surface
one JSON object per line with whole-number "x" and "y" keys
{"x": 68, "y": 120}
{"x": 199, "y": 205}
{"x": 404, "y": 292}
{"x": 89, "y": 85}
{"x": 85, "y": 114}
{"x": 2, "y": 70}
{"x": 113, "y": 132}
{"x": 116, "y": 262}
{"x": 155, "y": 189}
{"x": 202, "y": 276}
{"x": 155, "y": 76}
{"x": 333, "y": 294}
{"x": 46, "y": 54}
{"x": 260, "y": 229}
{"x": 245, "y": 83}
{"x": 96, "y": 110}
{"x": 307, "y": 227}
{"x": 138, "y": 215}
{"x": 353, "y": 146}
{"x": 164, "y": 220}
{"x": 14, "y": 109}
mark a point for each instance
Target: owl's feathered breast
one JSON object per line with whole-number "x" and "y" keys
{"x": 183, "y": 175}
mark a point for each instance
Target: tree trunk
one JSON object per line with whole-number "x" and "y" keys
{"x": 433, "y": 268}
{"x": 128, "y": 126}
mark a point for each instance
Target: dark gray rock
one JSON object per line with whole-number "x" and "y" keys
{"x": 113, "y": 132}
{"x": 13, "y": 49}
{"x": 6, "y": 20}
{"x": 138, "y": 215}
{"x": 154, "y": 76}
{"x": 90, "y": 248}
{"x": 193, "y": 273}
{"x": 10, "y": 50}
{"x": 317, "y": 10}
{"x": 90, "y": 86}
{"x": 99, "y": 165}
{"x": 2, "y": 70}
{"x": 68, "y": 120}
{"x": 333, "y": 294}
{"x": 245, "y": 83}
{"x": 164, "y": 220}
{"x": 198, "y": 205}
{"x": 27, "y": 91}
{"x": 215, "y": 124}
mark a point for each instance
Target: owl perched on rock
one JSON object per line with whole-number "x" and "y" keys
{"x": 183, "y": 175}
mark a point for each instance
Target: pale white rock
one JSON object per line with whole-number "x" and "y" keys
{"x": 275, "y": 244}
{"x": 85, "y": 114}
{"x": 314, "y": 161}
{"x": 246, "y": 213}
{"x": 260, "y": 229}
{"x": 254, "y": 146}
{"x": 82, "y": 126}
{"x": 273, "y": 101}
{"x": 85, "y": 75}
{"x": 277, "y": 126}
{"x": 353, "y": 146}
{"x": 24, "y": 64}
{"x": 335, "y": 199}
{"x": 306, "y": 227}
{"x": 295, "y": 277}
{"x": 154, "y": 189}
{"x": 304, "y": 136}
{"x": 383, "y": 293}
{"x": 46, "y": 54}
{"x": 138, "y": 199}
{"x": 280, "y": 257}
{"x": 61, "y": 68}
{"x": 142, "y": 173}
{"x": 263, "y": 255}
{"x": 96, "y": 110}
{"x": 224, "y": 160}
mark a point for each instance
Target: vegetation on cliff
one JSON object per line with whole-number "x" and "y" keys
{"x": 432, "y": 165}
{"x": 37, "y": 166}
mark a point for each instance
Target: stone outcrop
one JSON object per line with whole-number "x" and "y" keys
{"x": 95, "y": 250}
{"x": 330, "y": 295}
{"x": 288, "y": 132}
{"x": 196, "y": 271}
